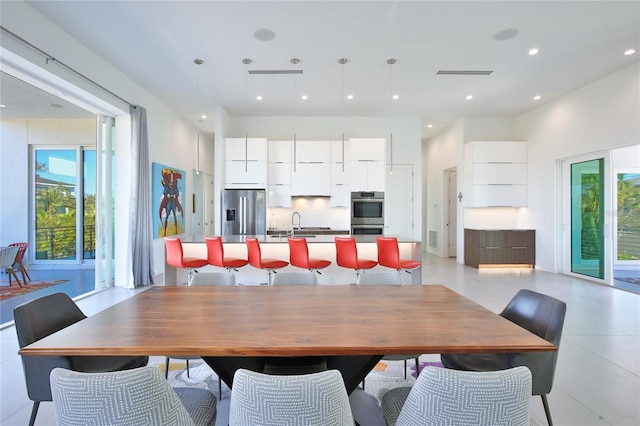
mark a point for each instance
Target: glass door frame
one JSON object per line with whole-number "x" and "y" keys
{"x": 607, "y": 221}
{"x": 105, "y": 238}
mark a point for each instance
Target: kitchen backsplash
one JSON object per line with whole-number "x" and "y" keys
{"x": 314, "y": 211}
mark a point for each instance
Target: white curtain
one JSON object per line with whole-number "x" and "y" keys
{"x": 141, "y": 221}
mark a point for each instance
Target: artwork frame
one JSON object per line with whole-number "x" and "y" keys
{"x": 167, "y": 191}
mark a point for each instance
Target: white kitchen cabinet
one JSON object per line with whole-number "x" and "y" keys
{"x": 367, "y": 176}
{"x": 495, "y": 174}
{"x": 280, "y": 152}
{"x": 340, "y": 167}
{"x": 279, "y": 195}
{"x": 367, "y": 149}
{"x": 245, "y": 162}
{"x": 367, "y": 164}
{"x": 280, "y": 156}
{"x": 311, "y": 173}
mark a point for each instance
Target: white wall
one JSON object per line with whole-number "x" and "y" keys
{"x": 171, "y": 138}
{"x": 600, "y": 116}
{"x": 603, "y": 115}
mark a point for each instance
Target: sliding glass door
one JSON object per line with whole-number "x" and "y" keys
{"x": 64, "y": 205}
{"x": 587, "y": 218}
{"x": 104, "y": 220}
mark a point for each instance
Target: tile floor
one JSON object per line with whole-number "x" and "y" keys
{"x": 597, "y": 377}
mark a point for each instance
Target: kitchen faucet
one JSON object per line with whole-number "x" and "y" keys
{"x": 293, "y": 228}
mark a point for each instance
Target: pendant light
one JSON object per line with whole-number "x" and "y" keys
{"x": 246, "y": 62}
{"x": 294, "y": 61}
{"x": 343, "y": 61}
{"x": 198, "y": 62}
{"x": 391, "y": 61}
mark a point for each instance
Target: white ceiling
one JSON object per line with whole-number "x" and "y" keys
{"x": 155, "y": 43}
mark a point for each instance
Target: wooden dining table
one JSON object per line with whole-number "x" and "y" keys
{"x": 350, "y": 326}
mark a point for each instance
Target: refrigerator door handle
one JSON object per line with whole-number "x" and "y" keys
{"x": 243, "y": 226}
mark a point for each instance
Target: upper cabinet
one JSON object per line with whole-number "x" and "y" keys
{"x": 280, "y": 155}
{"x": 245, "y": 162}
{"x": 367, "y": 158}
{"x": 495, "y": 174}
{"x": 311, "y": 168}
{"x": 340, "y": 167}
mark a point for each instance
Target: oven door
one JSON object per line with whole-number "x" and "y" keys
{"x": 367, "y": 212}
{"x": 367, "y": 230}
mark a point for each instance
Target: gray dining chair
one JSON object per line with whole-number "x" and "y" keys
{"x": 316, "y": 399}
{"x": 212, "y": 278}
{"x": 388, "y": 278}
{"x": 123, "y": 398}
{"x": 462, "y": 398}
{"x": 203, "y": 279}
{"x": 543, "y": 316}
{"x": 295, "y": 278}
{"x": 41, "y": 317}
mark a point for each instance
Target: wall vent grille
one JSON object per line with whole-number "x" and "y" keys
{"x": 463, "y": 72}
{"x": 433, "y": 239}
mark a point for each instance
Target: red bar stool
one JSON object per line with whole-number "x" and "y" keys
{"x": 215, "y": 255}
{"x": 347, "y": 256}
{"x": 175, "y": 257}
{"x": 389, "y": 255}
{"x": 256, "y": 260}
{"x": 299, "y": 255}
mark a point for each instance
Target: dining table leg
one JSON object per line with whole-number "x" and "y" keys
{"x": 353, "y": 368}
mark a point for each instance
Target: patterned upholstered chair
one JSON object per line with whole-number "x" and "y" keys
{"x": 133, "y": 397}
{"x": 301, "y": 400}
{"x": 450, "y": 397}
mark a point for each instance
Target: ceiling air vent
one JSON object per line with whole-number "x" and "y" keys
{"x": 463, "y": 72}
{"x": 275, "y": 71}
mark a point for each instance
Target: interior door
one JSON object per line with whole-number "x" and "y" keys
{"x": 452, "y": 212}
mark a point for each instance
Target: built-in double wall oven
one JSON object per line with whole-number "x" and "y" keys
{"x": 367, "y": 213}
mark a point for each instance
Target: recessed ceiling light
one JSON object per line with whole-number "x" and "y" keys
{"x": 304, "y": 97}
{"x": 396, "y": 96}
{"x": 536, "y": 98}
{"x": 429, "y": 125}
{"x": 469, "y": 97}
{"x": 533, "y": 51}
{"x": 2, "y": 106}
{"x": 203, "y": 116}
{"x": 630, "y": 52}
{"x": 349, "y": 97}
{"x": 259, "y": 97}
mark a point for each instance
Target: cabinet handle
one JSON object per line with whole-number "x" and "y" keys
{"x": 520, "y": 248}
{"x": 492, "y": 248}
{"x": 499, "y": 162}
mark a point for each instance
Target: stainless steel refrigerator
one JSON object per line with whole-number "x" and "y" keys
{"x": 244, "y": 212}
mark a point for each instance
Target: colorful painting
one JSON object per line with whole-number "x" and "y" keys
{"x": 168, "y": 200}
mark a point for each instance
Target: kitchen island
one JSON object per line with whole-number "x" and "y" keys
{"x": 277, "y": 246}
